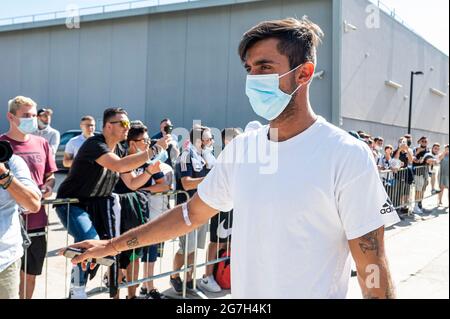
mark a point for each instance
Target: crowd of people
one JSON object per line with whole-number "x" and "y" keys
{"x": 114, "y": 175}
{"x": 403, "y": 164}
{"x": 323, "y": 219}
{"x": 126, "y": 167}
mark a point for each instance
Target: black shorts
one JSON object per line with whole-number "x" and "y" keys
{"x": 35, "y": 254}
{"x": 127, "y": 256}
{"x": 220, "y": 231}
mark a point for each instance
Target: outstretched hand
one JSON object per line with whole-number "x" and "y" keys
{"x": 93, "y": 249}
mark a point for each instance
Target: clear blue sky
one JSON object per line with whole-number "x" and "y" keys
{"x": 429, "y": 18}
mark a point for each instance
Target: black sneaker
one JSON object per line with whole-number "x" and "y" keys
{"x": 190, "y": 285}
{"x": 143, "y": 291}
{"x": 176, "y": 284}
{"x": 155, "y": 294}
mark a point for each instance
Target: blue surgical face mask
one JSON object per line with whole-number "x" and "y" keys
{"x": 266, "y": 98}
{"x": 28, "y": 125}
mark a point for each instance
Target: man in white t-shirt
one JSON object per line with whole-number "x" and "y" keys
{"x": 293, "y": 229}
{"x": 87, "y": 126}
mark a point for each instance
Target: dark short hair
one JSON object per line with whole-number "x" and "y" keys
{"x": 87, "y": 118}
{"x": 45, "y": 110}
{"x": 298, "y": 39}
{"x": 422, "y": 138}
{"x": 136, "y": 129}
{"x": 111, "y": 112}
{"x": 379, "y": 138}
{"x": 164, "y": 120}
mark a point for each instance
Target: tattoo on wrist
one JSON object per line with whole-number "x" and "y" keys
{"x": 369, "y": 242}
{"x": 133, "y": 242}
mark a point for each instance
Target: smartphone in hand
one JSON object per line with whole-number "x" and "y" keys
{"x": 72, "y": 252}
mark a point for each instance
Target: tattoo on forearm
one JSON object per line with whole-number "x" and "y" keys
{"x": 133, "y": 242}
{"x": 369, "y": 242}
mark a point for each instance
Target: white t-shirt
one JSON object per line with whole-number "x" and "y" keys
{"x": 158, "y": 204}
{"x": 293, "y": 215}
{"x": 10, "y": 235}
{"x": 74, "y": 144}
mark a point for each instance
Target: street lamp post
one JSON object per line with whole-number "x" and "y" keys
{"x": 411, "y": 97}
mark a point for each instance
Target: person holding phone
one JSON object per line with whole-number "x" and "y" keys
{"x": 94, "y": 173}
{"x": 166, "y": 128}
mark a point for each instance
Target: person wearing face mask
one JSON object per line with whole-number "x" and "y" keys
{"x": 38, "y": 155}
{"x": 44, "y": 119}
{"x": 190, "y": 170}
{"x": 408, "y": 140}
{"x": 289, "y": 240}
{"x": 166, "y": 127}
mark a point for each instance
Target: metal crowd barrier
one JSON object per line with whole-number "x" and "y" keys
{"x": 406, "y": 186}
{"x": 48, "y": 281}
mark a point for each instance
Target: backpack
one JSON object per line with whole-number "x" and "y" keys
{"x": 222, "y": 270}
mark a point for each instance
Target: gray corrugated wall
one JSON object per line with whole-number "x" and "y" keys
{"x": 393, "y": 52}
{"x": 183, "y": 65}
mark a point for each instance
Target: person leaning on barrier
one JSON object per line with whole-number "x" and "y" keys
{"x": 87, "y": 127}
{"x": 190, "y": 170}
{"x": 94, "y": 173}
{"x": 220, "y": 226}
{"x": 17, "y": 189}
{"x": 420, "y": 172}
{"x": 403, "y": 175}
{"x": 37, "y": 153}
{"x": 288, "y": 242}
{"x": 385, "y": 160}
{"x": 134, "y": 201}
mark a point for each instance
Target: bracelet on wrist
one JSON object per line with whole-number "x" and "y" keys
{"x": 8, "y": 181}
{"x": 5, "y": 175}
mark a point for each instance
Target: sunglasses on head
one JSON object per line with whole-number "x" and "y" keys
{"x": 123, "y": 123}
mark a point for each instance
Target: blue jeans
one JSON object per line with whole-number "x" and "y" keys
{"x": 81, "y": 228}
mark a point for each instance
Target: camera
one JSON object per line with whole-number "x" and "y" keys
{"x": 6, "y": 151}
{"x": 168, "y": 129}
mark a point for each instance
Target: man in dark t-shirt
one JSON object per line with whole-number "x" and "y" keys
{"x": 420, "y": 172}
{"x": 91, "y": 179}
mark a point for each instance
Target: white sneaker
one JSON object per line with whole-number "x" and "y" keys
{"x": 209, "y": 284}
{"x": 417, "y": 210}
{"x": 78, "y": 293}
